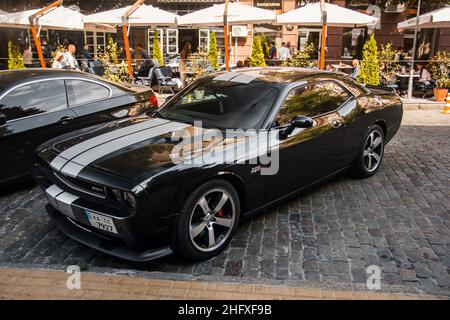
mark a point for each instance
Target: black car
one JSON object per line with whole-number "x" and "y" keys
{"x": 145, "y": 187}
{"x": 39, "y": 104}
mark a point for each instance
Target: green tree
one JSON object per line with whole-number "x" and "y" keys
{"x": 370, "y": 70}
{"x": 359, "y": 47}
{"x": 302, "y": 58}
{"x": 157, "y": 53}
{"x": 257, "y": 55}
{"x": 388, "y": 65}
{"x": 115, "y": 70}
{"x": 15, "y": 58}
{"x": 264, "y": 46}
{"x": 212, "y": 53}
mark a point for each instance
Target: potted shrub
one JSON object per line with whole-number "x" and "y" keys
{"x": 440, "y": 70}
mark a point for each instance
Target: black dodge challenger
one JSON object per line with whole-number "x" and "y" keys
{"x": 144, "y": 187}
{"x": 39, "y": 104}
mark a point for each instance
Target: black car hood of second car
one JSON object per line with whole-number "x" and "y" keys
{"x": 134, "y": 148}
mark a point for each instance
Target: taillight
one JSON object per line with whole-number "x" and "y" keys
{"x": 153, "y": 101}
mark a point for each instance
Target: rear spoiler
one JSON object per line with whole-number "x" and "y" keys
{"x": 380, "y": 89}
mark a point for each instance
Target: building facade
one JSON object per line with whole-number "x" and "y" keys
{"x": 340, "y": 41}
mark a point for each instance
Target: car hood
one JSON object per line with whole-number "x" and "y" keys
{"x": 137, "y": 148}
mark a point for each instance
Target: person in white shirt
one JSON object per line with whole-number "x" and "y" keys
{"x": 69, "y": 60}
{"x": 27, "y": 58}
{"x": 57, "y": 62}
{"x": 284, "y": 53}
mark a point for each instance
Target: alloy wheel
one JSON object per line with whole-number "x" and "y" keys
{"x": 212, "y": 220}
{"x": 373, "y": 150}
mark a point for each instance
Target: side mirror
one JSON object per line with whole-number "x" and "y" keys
{"x": 302, "y": 122}
{"x": 296, "y": 122}
{"x": 2, "y": 119}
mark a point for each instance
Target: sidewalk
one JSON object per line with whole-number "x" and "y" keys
{"x": 43, "y": 284}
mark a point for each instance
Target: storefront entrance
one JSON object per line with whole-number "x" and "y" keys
{"x": 188, "y": 35}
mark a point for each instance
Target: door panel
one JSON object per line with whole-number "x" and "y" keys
{"x": 35, "y": 113}
{"x": 308, "y": 155}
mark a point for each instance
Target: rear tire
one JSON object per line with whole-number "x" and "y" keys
{"x": 208, "y": 220}
{"x": 371, "y": 153}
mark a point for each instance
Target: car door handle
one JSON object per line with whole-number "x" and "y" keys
{"x": 336, "y": 123}
{"x": 65, "y": 120}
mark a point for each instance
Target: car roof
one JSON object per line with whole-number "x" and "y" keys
{"x": 9, "y": 78}
{"x": 274, "y": 75}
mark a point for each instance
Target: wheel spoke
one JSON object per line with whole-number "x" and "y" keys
{"x": 211, "y": 236}
{"x": 369, "y": 165}
{"x": 224, "y": 222}
{"x": 204, "y": 205}
{"x": 370, "y": 139}
{"x": 376, "y": 142}
{"x": 195, "y": 231}
{"x": 222, "y": 201}
{"x": 366, "y": 153}
{"x": 376, "y": 157}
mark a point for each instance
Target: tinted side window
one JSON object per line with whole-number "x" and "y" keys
{"x": 312, "y": 100}
{"x": 83, "y": 92}
{"x": 33, "y": 99}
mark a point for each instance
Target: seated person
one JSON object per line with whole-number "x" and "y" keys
{"x": 146, "y": 62}
{"x": 355, "y": 73}
{"x": 424, "y": 81}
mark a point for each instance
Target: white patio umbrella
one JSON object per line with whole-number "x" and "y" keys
{"x": 2, "y": 12}
{"x": 237, "y": 14}
{"x": 59, "y": 18}
{"x": 337, "y": 16}
{"x": 439, "y": 18}
{"x": 325, "y": 15}
{"x": 143, "y": 16}
{"x": 139, "y": 14}
{"x": 227, "y": 14}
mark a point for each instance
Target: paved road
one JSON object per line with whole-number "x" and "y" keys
{"x": 399, "y": 220}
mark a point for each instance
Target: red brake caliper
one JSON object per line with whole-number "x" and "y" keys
{"x": 219, "y": 213}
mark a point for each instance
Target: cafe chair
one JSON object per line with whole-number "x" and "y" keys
{"x": 164, "y": 77}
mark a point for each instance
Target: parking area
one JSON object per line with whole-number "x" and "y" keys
{"x": 398, "y": 219}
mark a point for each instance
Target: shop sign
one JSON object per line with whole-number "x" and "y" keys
{"x": 268, "y": 4}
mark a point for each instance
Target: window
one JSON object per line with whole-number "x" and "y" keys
{"x": 151, "y": 36}
{"x": 96, "y": 41}
{"x": 172, "y": 41}
{"x": 312, "y": 100}
{"x": 203, "y": 37}
{"x": 34, "y": 98}
{"x": 83, "y": 92}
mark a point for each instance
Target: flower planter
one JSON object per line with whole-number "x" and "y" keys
{"x": 440, "y": 94}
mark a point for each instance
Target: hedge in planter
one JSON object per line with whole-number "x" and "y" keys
{"x": 212, "y": 53}
{"x": 440, "y": 72}
{"x": 257, "y": 56}
{"x": 370, "y": 70}
{"x": 157, "y": 53}
{"x": 15, "y": 58}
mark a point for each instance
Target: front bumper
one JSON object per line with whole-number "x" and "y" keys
{"x": 114, "y": 247}
{"x": 68, "y": 212}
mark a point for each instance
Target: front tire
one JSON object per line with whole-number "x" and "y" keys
{"x": 208, "y": 220}
{"x": 371, "y": 154}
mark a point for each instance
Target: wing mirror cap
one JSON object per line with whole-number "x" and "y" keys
{"x": 2, "y": 119}
{"x": 302, "y": 122}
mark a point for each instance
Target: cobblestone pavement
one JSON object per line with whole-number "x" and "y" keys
{"x": 398, "y": 219}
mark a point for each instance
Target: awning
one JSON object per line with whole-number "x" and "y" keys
{"x": 237, "y": 14}
{"x": 337, "y": 16}
{"x": 145, "y": 15}
{"x": 439, "y": 18}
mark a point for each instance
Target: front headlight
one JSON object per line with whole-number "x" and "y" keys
{"x": 129, "y": 199}
{"x": 117, "y": 194}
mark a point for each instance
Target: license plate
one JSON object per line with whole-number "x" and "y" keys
{"x": 101, "y": 222}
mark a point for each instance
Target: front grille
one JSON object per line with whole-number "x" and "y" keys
{"x": 83, "y": 186}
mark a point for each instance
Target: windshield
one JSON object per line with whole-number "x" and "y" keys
{"x": 223, "y": 104}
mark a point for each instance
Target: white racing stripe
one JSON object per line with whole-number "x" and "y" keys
{"x": 60, "y": 200}
{"x": 62, "y": 159}
{"x": 79, "y": 162}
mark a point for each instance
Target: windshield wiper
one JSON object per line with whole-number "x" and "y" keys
{"x": 154, "y": 112}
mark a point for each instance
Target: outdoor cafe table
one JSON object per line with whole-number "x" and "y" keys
{"x": 404, "y": 79}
